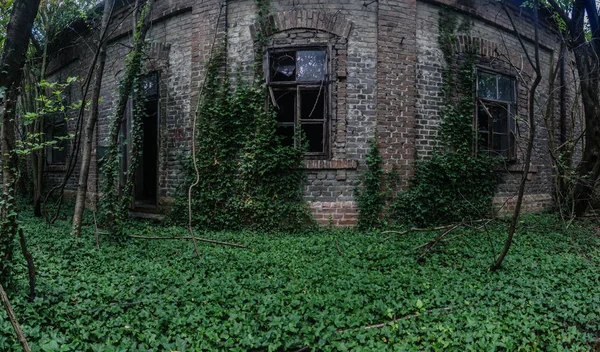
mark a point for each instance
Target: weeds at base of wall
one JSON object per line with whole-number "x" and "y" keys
{"x": 247, "y": 177}
{"x": 456, "y": 183}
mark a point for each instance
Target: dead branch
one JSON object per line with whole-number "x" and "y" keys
{"x": 188, "y": 238}
{"x": 437, "y": 238}
{"x": 13, "y": 320}
{"x": 337, "y": 245}
{"x": 381, "y": 325}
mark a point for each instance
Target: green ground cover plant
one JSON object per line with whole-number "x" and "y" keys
{"x": 317, "y": 289}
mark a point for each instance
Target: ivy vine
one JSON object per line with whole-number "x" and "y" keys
{"x": 457, "y": 182}
{"x": 248, "y": 178}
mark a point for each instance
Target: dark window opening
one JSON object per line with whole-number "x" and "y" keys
{"x": 298, "y": 80}
{"x": 495, "y": 123}
{"x": 57, "y": 134}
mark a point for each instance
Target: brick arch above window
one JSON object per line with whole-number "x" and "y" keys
{"x": 305, "y": 19}
{"x": 481, "y": 47}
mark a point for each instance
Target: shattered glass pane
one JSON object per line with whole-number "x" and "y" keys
{"x": 283, "y": 67}
{"x": 149, "y": 84}
{"x": 311, "y": 65}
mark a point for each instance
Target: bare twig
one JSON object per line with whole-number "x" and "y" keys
{"x": 437, "y": 238}
{"x": 337, "y": 244}
{"x": 199, "y": 239}
{"x": 381, "y": 325}
{"x": 13, "y": 320}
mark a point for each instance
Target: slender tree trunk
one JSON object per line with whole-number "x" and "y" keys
{"x": 535, "y": 63}
{"x": 38, "y": 156}
{"x": 91, "y": 124}
{"x": 12, "y": 60}
{"x": 589, "y": 166}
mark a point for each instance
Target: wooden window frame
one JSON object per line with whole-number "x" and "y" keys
{"x": 323, "y": 86}
{"x": 511, "y": 108}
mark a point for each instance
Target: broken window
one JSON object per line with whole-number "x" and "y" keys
{"x": 495, "y": 123}
{"x": 299, "y": 92}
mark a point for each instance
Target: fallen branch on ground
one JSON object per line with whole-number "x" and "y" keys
{"x": 13, "y": 320}
{"x": 189, "y": 238}
{"x": 381, "y": 325}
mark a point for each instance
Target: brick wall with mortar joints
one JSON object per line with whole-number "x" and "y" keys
{"x": 68, "y": 62}
{"x": 508, "y": 47}
{"x": 172, "y": 62}
{"x": 353, "y": 87}
{"x": 396, "y": 84}
{"x": 360, "y": 99}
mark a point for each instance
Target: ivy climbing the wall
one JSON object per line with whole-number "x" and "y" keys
{"x": 247, "y": 177}
{"x": 456, "y": 183}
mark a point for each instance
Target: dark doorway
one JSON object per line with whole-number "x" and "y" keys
{"x": 146, "y": 176}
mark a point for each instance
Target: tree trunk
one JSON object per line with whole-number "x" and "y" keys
{"x": 589, "y": 166}
{"x": 12, "y": 60}
{"x": 535, "y": 63}
{"x": 91, "y": 124}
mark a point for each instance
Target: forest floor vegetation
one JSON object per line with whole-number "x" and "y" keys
{"x": 323, "y": 289}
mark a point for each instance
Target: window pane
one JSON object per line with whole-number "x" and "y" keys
{"x": 149, "y": 84}
{"x": 287, "y": 134}
{"x": 312, "y": 104}
{"x": 311, "y": 65}
{"x": 486, "y": 85}
{"x": 500, "y": 114}
{"x": 314, "y": 137}
{"x": 286, "y": 102}
{"x": 500, "y": 144}
{"x": 59, "y": 150}
{"x": 482, "y": 118}
{"x": 283, "y": 67}
{"x": 506, "y": 89}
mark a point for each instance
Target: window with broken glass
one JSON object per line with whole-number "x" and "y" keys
{"x": 495, "y": 120}
{"x": 299, "y": 90}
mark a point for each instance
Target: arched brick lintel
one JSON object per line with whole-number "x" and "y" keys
{"x": 317, "y": 20}
{"x": 482, "y": 47}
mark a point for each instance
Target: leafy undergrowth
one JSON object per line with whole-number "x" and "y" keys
{"x": 288, "y": 292}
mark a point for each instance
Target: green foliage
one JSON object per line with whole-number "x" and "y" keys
{"x": 247, "y": 177}
{"x": 114, "y": 205}
{"x": 50, "y": 104}
{"x": 448, "y": 188}
{"x": 456, "y": 183}
{"x": 290, "y": 291}
{"x": 370, "y": 197}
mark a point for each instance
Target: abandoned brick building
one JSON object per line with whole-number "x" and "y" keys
{"x": 372, "y": 68}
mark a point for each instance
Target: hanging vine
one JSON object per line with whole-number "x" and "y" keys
{"x": 115, "y": 205}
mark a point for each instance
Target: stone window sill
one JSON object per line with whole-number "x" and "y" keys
{"x": 341, "y": 164}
